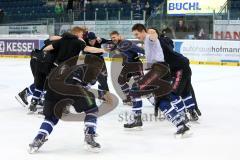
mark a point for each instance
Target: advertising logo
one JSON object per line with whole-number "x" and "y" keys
{"x": 192, "y": 7}
{"x": 17, "y": 47}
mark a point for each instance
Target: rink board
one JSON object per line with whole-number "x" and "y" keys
{"x": 203, "y": 52}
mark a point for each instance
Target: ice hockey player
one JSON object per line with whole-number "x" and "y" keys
{"x": 132, "y": 66}
{"x": 183, "y": 96}
{"x": 69, "y": 48}
{"x": 158, "y": 72}
{"x": 41, "y": 66}
{"x": 92, "y": 40}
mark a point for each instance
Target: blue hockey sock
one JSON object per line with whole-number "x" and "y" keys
{"x": 171, "y": 113}
{"x": 100, "y": 92}
{"x": 177, "y": 102}
{"x": 90, "y": 122}
{"x": 30, "y": 89}
{"x": 37, "y": 94}
{"x": 47, "y": 127}
{"x": 189, "y": 102}
{"x": 125, "y": 89}
{"x": 137, "y": 105}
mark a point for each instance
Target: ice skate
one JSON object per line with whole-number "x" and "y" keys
{"x": 193, "y": 115}
{"x": 36, "y": 144}
{"x": 183, "y": 131}
{"x": 33, "y": 106}
{"x": 22, "y": 97}
{"x": 135, "y": 124}
{"x": 90, "y": 143}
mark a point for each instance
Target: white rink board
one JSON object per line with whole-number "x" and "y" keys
{"x": 209, "y": 50}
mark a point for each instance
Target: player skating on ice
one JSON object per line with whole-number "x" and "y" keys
{"x": 183, "y": 96}
{"x": 92, "y": 40}
{"x": 41, "y": 66}
{"x": 157, "y": 82}
{"x": 132, "y": 66}
{"x": 69, "y": 47}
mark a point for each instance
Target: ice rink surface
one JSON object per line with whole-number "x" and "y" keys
{"x": 216, "y": 136}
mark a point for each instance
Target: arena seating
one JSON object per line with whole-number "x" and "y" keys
{"x": 31, "y": 10}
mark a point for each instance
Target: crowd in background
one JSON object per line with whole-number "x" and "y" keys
{"x": 181, "y": 30}
{"x": 150, "y": 8}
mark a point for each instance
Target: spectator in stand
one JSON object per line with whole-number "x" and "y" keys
{"x": 147, "y": 5}
{"x": 148, "y": 8}
{"x": 202, "y": 34}
{"x": 59, "y": 10}
{"x": 82, "y": 4}
{"x": 70, "y": 5}
{"x": 1, "y": 15}
{"x": 181, "y": 30}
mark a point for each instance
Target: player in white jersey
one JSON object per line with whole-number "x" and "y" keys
{"x": 156, "y": 82}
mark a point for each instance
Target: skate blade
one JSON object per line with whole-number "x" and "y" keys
{"x": 91, "y": 149}
{"x": 187, "y": 134}
{"x": 134, "y": 129}
{"x": 39, "y": 107}
{"x": 161, "y": 117}
{"x": 31, "y": 112}
{"x": 195, "y": 122}
{"x": 37, "y": 114}
{"x": 32, "y": 150}
{"x": 20, "y": 101}
{"x": 128, "y": 104}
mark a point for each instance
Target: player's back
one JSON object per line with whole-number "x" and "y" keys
{"x": 175, "y": 60}
{"x": 68, "y": 47}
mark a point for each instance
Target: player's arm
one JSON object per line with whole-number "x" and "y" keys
{"x": 54, "y": 45}
{"x": 48, "y": 48}
{"x": 153, "y": 36}
{"x": 103, "y": 40}
{"x": 54, "y": 38}
{"x": 138, "y": 49}
{"x": 93, "y": 50}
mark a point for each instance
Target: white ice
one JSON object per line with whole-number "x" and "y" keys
{"x": 216, "y": 136}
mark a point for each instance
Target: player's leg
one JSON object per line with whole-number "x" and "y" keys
{"x": 182, "y": 87}
{"x": 177, "y": 118}
{"x": 90, "y": 123}
{"x": 40, "y": 79}
{"x": 123, "y": 80}
{"x": 88, "y": 105}
{"x": 189, "y": 102}
{"x": 149, "y": 84}
{"x": 136, "y": 112}
{"x": 46, "y": 127}
{"x": 195, "y": 101}
{"x": 102, "y": 80}
{"x": 28, "y": 91}
{"x": 22, "y": 96}
{"x": 130, "y": 70}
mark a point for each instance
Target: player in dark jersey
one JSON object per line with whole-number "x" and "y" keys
{"x": 69, "y": 48}
{"x": 132, "y": 66}
{"x": 40, "y": 66}
{"x": 181, "y": 73}
{"x": 92, "y": 40}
